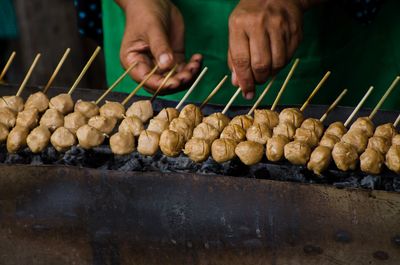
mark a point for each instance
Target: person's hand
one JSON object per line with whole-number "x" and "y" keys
{"x": 263, "y": 36}
{"x": 154, "y": 34}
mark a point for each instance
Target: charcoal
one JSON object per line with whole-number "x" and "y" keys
{"x": 369, "y": 182}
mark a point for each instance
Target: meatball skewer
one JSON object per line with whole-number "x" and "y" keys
{"x": 7, "y": 65}
{"x": 393, "y": 154}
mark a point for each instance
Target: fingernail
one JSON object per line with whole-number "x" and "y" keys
{"x": 249, "y": 95}
{"x": 164, "y": 59}
{"x": 233, "y": 77}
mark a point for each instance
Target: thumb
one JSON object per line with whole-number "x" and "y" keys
{"x": 160, "y": 47}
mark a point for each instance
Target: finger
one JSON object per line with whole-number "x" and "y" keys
{"x": 278, "y": 47}
{"x": 233, "y": 75}
{"x": 160, "y": 46}
{"x": 260, "y": 55}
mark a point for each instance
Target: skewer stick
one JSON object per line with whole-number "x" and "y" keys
{"x": 28, "y": 75}
{"x": 190, "y": 90}
{"x": 289, "y": 76}
{"x": 261, "y": 97}
{"x": 84, "y": 70}
{"x": 360, "y": 104}
{"x": 384, "y": 97}
{"x": 55, "y": 73}
{"x": 215, "y": 90}
{"x": 397, "y": 122}
{"x": 316, "y": 89}
{"x": 233, "y": 98}
{"x": 166, "y": 78}
{"x": 116, "y": 83}
{"x": 140, "y": 85}
{"x": 9, "y": 62}
{"x": 333, "y": 106}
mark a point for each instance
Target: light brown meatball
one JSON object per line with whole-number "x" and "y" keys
{"x": 291, "y": 115}
{"x": 63, "y": 103}
{"x": 148, "y": 143}
{"x": 15, "y": 103}
{"x": 87, "y": 108}
{"x": 171, "y": 143}
{"x": 307, "y": 136}
{"x": 379, "y": 143}
{"x": 192, "y": 113}
{"x": 297, "y": 153}
{"x": 320, "y": 159}
{"x": 182, "y": 126}
{"x": 329, "y": 141}
{"x": 285, "y": 129}
{"x": 168, "y": 114}
{"x": 113, "y": 110}
{"x": 141, "y": 109}
{"x": 122, "y": 143}
{"x": 266, "y": 116}
{"x": 132, "y": 125}
{"x": 371, "y": 161}
{"x": 218, "y": 120}
{"x": 356, "y": 138}
{"x": 250, "y": 153}
{"x": 198, "y": 150}
{"x": 89, "y": 137}
{"x": 275, "y": 147}
{"x": 396, "y": 140}
{"x": 206, "y": 132}
{"x": 37, "y": 101}
{"x": 7, "y": 117}
{"x": 223, "y": 150}
{"x": 3, "y": 133}
{"x": 17, "y": 139}
{"x": 52, "y": 119}
{"x": 62, "y": 139}
{"x": 345, "y": 156}
{"x": 103, "y": 124}
{"x": 337, "y": 129}
{"x": 74, "y": 121}
{"x": 158, "y": 125}
{"x": 28, "y": 118}
{"x": 233, "y": 132}
{"x": 314, "y": 125}
{"x": 259, "y": 133}
{"x": 38, "y": 139}
{"x": 365, "y": 125}
{"x": 393, "y": 159}
{"x": 244, "y": 121}
{"x": 386, "y": 130}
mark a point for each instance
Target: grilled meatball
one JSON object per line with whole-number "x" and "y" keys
{"x": 113, "y": 110}
{"x": 365, "y": 125}
{"x": 132, "y": 125}
{"x": 386, "y": 130}
{"x": 345, "y": 156}
{"x": 38, "y": 139}
{"x": 17, "y": 139}
{"x": 259, "y": 133}
{"x": 103, "y": 124}
{"x": 329, "y": 141}
{"x": 182, "y": 126}
{"x": 206, "y": 132}
{"x": 37, "y": 101}
{"x": 297, "y": 152}
{"x": 15, "y": 103}
{"x": 148, "y": 143}
{"x": 122, "y": 143}
{"x": 285, "y": 129}
{"x": 74, "y": 121}
{"x": 371, "y": 161}
{"x": 3, "y": 133}
{"x": 141, "y": 109}
{"x": 223, "y": 150}
{"x": 171, "y": 143}
{"x": 192, "y": 113}
{"x": 158, "y": 125}
{"x": 314, "y": 125}
{"x": 396, "y": 140}
{"x": 337, "y": 129}
{"x": 89, "y": 137}
{"x": 52, "y": 119}
{"x": 87, "y": 108}
{"x": 379, "y": 143}
{"x": 198, "y": 150}
{"x": 244, "y": 121}
{"x": 356, "y": 138}
{"x": 291, "y": 115}
{"x": 218, "y": 120}
{"x": 63, "y": 103}
{"x": 168, "y": 114}
{"x": 393, "y": 159}
{"x": 275, "y": 147}
{"x": 266, "y": 116}
{"x": 320, "y": 159}
{"x": 7, "y": 117}
{"x": 28, "y": 118}
{"x": 307, "y": 136}
{"x": 62, "y": 139}
{"x": 233, "y": 132}
{"x": 250, "y": 153}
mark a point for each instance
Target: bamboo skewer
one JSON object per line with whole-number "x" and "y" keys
{"x": 358, "y": 107}
{"x": 233, "y": 98}
{"x": 28, "y": 75}
{"x": 9, "y": 62}
{"x": 283, "y": 88}
{"x": 215, "y": 90}
{"x": 316, "y": 89}
{"x": 55, "y": 73}
{"x": 333, "y": 106}
{"x": 261, "y": 97}
{"x": 384, "y": 97}
{"x": 84, "y": 70}
{"x": 166, "y": 78}
{"x": 190, "y": 90}
{"x": 397, "y": 122}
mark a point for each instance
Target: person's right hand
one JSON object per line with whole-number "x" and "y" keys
{"x": 154, "y": 34}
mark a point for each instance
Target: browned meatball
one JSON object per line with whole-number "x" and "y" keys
{"x": 7, "y": 117}
{"x": 74, "y": 121}
{"x": 233, "y": 132}
{"x": 285, "y": 129}
{"x": 37, "y": 101}
{"x": 198, "y": 150}
{"x": 218, "y": 120}
{"x": 63, "y": 103}
{"x": 62, "y": 139}
{"x": 291, "y": 115}
{"x": 17, "y": 139}
{"x": 87, "y": 108}
{"x": 314, "y": 125}
{"x": 297, "y": 152}
{"x": 206, "y": 132}
{"x": 122, "y": 143}
{"x": 379, "y": 143}
{"x": 307, "y": 136}
{"x": 103, "y": 124}
{"x": 148, "y": 143}
{"x": 393, "y": 159}
{"x": 365, "y": 125}
{"x": 386, "y": 130}
{"x": 15, "y": 103}
{"x": 244, "y": 121}
{"x": 396, "y": 140}
{"x": 141, "y": 109}
{"x": 275, "y": 147}
{"x": 356, "y": 138}
{"x": 52, "y": 119}
{"x": 329, "y": 141}
{"x": 38, "y": 139}
{"x": 259, "y": 133}
{"x": 28, "y": 118}
{"x": 89, "y": 137}
{"x": 266, "y": 116}
{"x": 250, "y": 153}
{"x": 371, "y": 161}
{"x": 337, "y": 129}
{"x": 132, "y": 125}
{"x": 168, "y": 114}
{"x": 192, "y": 113}
{"x": 345, "y": 156}
{"x": 223, "y": 150}
{"x": 3, "y": 133}
{"x": 320, "y": 159}
{"x": 158, "y": 125}
{"x": 182, "y": 126}
{"x": 114, "y": 110}
{"x": 171, "y": 143}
